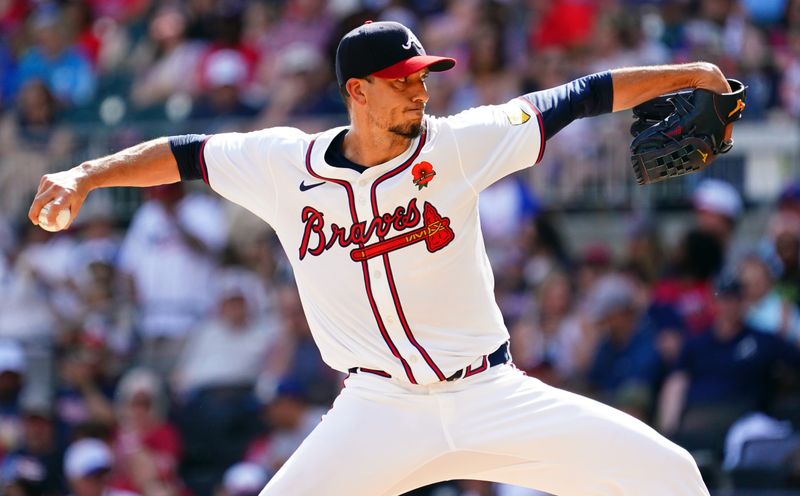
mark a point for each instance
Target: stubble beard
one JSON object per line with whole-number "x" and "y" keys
{"x": 408, "y": 131}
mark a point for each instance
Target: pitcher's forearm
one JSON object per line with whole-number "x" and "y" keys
{"x": 146, "y": 164}
{"x": 635, "y": 85}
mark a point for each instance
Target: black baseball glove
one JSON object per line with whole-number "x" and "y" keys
{"x": 683, "y": 132}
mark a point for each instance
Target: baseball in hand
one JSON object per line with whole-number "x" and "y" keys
{"x": 62, "y": 218}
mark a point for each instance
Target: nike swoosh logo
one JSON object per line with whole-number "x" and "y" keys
{"x": 304, "y": 187}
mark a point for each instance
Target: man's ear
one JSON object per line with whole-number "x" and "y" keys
{"x": 355, "y": 87}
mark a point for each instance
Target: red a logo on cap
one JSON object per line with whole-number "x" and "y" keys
{"x": 412, "y": 41}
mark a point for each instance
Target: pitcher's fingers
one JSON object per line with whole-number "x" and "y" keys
{"x": 56, "y": 206}
{"x": 42, "y": 198}
{"x": 74, "y": 206}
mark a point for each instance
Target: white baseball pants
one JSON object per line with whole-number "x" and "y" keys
{"x": 383, "y": 438}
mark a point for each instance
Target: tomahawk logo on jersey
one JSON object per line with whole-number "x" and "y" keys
{"x": 361, "y": 243}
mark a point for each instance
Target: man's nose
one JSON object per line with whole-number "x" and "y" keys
{"x": 420, "y": 93}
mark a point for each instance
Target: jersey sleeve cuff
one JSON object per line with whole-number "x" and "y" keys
{"x": 188, "y": 152}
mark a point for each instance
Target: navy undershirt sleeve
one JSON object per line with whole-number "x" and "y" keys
{"x": 188, "y": 149}
{"x": 584, "y": 97}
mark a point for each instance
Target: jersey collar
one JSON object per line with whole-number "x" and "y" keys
{"x": 323, "y": 168}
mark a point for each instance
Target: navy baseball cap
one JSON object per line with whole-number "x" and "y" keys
{"x": 728, "y": 287}
{"x": 385, "y": 50}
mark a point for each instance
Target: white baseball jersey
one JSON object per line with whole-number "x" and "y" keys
{"x": 390, "y": 263}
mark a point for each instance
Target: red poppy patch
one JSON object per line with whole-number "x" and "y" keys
{"x": 423, "y": 174}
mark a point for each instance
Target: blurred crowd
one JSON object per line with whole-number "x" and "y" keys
{"x": 168, "y": 354}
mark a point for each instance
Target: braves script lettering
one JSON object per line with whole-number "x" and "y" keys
{"x": 317, "y": 239}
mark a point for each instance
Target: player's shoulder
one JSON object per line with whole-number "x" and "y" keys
{"x": 267, "y": 136}
{"x": 282, "y": 136}
{"x": 513, "y": 111}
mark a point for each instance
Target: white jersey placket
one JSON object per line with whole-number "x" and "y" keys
{"x": 368, "y": 205}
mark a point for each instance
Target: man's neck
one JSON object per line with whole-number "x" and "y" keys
{"x": 372, "y": 147}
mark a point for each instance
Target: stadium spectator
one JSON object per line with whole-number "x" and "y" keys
{"x": 24, "y": 309}
{"x": 789, "y": 89}
{"x": 28, "y": 311}
{"x": 243, "y": 479}
{"x": 226, "y": 41}
{"x": 488, "y": 78}
{"x": 765, "y": 309}
{"x": 124, "y": 11}
{"x": 56, "y": 60}
{"x": 290, "y": 417}
{"x": 87, "y": 465}
{"x": 224, "y": 73}
{"x": 106, "y": 294}
{"x": 305, "y": 21}
{"x": 230, "y": 349}
{"x": 562, "y": 23}
{"x": 784, "y": 231}
{"x": 85, "y": 387}
{"x": 13, "y": 368}
{"x": 625, "y": 368}
{"x": 595, "y": 262}
{"x": 545, "y": 249}
{"x": 166, "y": 62}
{"x": 302, "y": 362}
{"x": 683, "y": 299}
{"x": 32, "y": 142}
{"x": 78, "y": 22}
{"x": 549, "y": 342}
{"x": 717, "y": 207}
{"x": 38, "y": 459}
{"x": 170, "y": 250}
{"x": 721, "y": 375}
{"x": 300, "y": 89}
{"x": 644, "y": 253}
{"x": 7, "y": 76}
{"x": 147, "y": 448}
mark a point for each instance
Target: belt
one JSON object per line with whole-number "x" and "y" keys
{"x": 499, "y": 356}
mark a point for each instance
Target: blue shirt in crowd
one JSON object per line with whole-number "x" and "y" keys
{"x": 734, "y": 371}
{"x": 69, "y": 75}
{"x": 615, "y": 365}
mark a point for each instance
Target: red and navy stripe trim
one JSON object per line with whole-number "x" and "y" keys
{"x": 375, "y": 371}
{"x": 364, "y": 268}
{"x": 470, "y": 371}
{"x": 389, "y": 277}
{"x": 202, "y": 161}
{"x": 539, "y": 120}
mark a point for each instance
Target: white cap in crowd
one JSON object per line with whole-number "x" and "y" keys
{"x": 244, "y": 479}
{"x": 12, "y": 357}
{"x": 226, "y": 67}
{"x": 718, "y": 196}
{"x": 86, "y": 457}
{"x": 610, "y": 294}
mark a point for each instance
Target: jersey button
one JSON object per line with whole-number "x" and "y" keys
{"x": 377, "y": 274}
{"x": 413, "y": 358}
